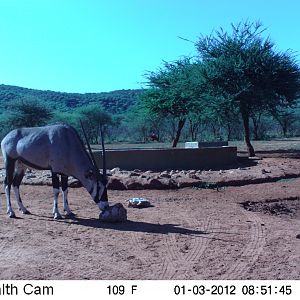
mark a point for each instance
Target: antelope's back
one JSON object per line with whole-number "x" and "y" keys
{"x": 39, "y": 146}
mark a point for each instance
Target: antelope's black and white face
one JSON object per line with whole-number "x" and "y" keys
{"x": 97, "y": 188}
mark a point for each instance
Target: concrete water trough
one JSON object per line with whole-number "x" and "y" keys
{"x": 205, "y": 144}
{"x": 174, "y": 158}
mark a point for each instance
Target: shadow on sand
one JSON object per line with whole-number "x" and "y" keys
{"x": 136, "y": 226}
{"x": 284, "y": 153}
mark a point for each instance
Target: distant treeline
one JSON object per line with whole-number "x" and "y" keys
{"x": 24, "y": 107}
{"x": 124, "y": 120}
{"x": 114, "y": 102}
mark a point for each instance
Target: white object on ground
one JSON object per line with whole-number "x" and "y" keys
{"x": 138, "y": 202}
{"x": 191, "y": 145}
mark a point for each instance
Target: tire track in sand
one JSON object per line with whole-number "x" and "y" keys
{"x": 182, "y": 261}
{"x": 9, "y": 253}
{"x": 145, "y": 251}
{"x": 250, "y": 252}
{"x": 175, "y": 260}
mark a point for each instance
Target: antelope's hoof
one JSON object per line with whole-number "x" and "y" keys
{"x": 57, "y": 217}
{"x": 11, "y": 214}
{"x": 26, "y": 212}
{"x": 70, "y": 215}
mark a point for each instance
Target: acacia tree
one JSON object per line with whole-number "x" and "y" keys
{"x": 286, "y": 119}
{"x": 173, "y": 92}
{"x": 197, "y": 124}
{"x": 220, "y": 113}
{"x": 29, "y": 112}
{"x": 143, "y": 122}
{"x": 243, "y": 68}
{"x": 92, "y": 117}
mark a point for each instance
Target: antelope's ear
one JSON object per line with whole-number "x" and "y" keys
{"x": 89, "y": 174}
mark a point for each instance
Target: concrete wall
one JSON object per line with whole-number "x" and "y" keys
{"x": 162, "y": 159}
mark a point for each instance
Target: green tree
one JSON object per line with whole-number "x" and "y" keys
{"x": 243, "y": 68}
{"x": 92, "y": 117}
{"x": 29, "y": 113}
{"x": 286, "y": 119}
{"x": 220, "y": 116}
{"x": 4, "y": 125}
{"x": 70, "y": 117}
{"x": 196, "y": 122}
{"x": 173, "y": 91}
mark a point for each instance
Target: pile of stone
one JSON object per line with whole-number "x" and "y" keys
{"x": 265, "y": 170}
{"x": 121, "y": 179}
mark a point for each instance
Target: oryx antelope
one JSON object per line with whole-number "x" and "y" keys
{"x": 57, "y": 148}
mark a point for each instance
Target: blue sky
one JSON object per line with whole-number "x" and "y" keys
{"x": 103, "y": 45}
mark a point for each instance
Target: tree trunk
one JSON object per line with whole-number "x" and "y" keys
{"x": 284, "y": 128}
{"x": 250, "y": 149}
{"x": 216, "y": 131}
{"x": 255, "y": 130}
{"x": 181, "y": 123}
{"x": 256, "y": 123}
{"x": 229, "y": 130}
{"x": 193, "y": 131}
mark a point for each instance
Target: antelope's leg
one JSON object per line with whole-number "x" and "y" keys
{"x": 64, "y": 187}
{"x": 9, "y": 166}
{"x": 17, "y": 179}
{"x": 55, "y": 184}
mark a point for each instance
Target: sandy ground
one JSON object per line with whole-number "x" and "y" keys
{"x": 189, "y": 233}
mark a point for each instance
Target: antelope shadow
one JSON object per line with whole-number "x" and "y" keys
{"x": 129, "y": 225}
{"x": 136, "y": 226}
{"x": 144, "y": 227}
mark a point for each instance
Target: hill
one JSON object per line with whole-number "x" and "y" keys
{"x": 114, "y": 102}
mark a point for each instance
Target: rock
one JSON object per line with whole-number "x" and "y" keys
{"x": 172, "y": 184}
{"x": 254, "y": 158}
{"x": 183, "y": 173}
{"x": 109, "y": 173}
{"x": 165, "y": 175}
{"x": 115, "y": 213}
{"x": 134, "y": 174}
{"x": 176, "y": 176}
{"x": 192, "y": 172}
{"x": 172, "y": 172}
{"x": 115, "y": 170}
{"x": 124, "y": 173}
{"x": 156, "y": 184}
{"x": 137, "y": 171}
{"x": 116, "y": 184}
{"x": 134, "y": 184}
{"x": 138, "y": 203}
{"x": 30, "y": 176}
{"x": 184, "y": 184}
{"x": 194, "y": 176}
